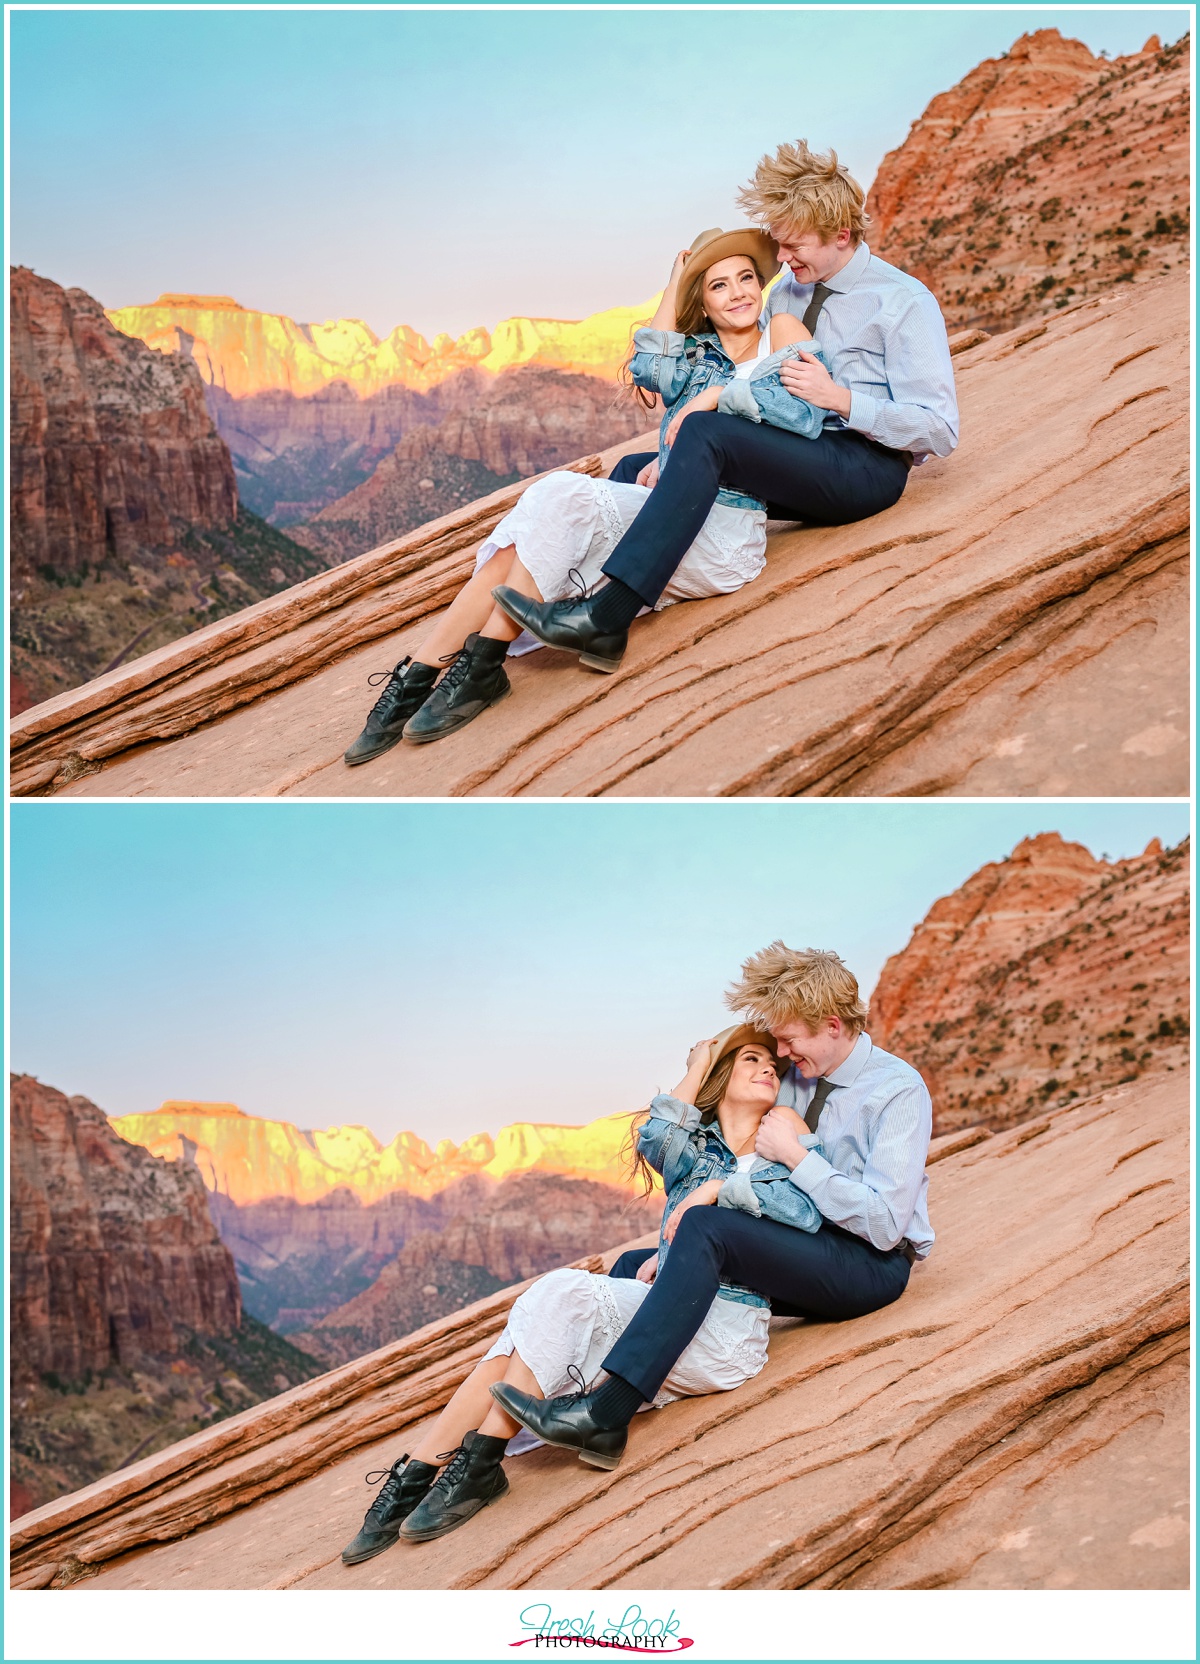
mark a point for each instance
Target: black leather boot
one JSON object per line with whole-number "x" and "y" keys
{"x": 471, "y": 1479}
{"x": 475, "y": 680}
{"x": 567, "y": 625}
{"x": 404, "y": 1485}
{"x": 566, "y": 1422}
{"x": 408, "y": 687}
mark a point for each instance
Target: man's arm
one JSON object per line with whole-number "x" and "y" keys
{"x": 879, "y": 1206}
{"x": 918, "y": 409}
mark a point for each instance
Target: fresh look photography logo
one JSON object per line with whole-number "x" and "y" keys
{"x": 633, "y": 1631}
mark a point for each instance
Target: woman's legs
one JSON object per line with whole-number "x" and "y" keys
{"x": 473, "y": 1408}
{"x": 470, "y": 609}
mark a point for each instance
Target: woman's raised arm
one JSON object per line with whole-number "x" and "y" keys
{"x": 664, "y": 317}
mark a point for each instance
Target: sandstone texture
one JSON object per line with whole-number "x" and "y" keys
{"x": 1017, "y": 625}
{"x": 126, "y": 529}
{"x": 1015, "y": 1420}
{"x": 1045, "y": 978}
{"x": 127, "y": 1325}
{"x": 1043, "y": 176}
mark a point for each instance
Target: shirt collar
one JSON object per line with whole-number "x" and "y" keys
{"x": 851, "y": 271}
{"x": 848, "y": 1072}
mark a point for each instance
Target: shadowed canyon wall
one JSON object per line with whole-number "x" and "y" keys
{"x": 126, "y": 528}
{"x": 1043, "y": 176}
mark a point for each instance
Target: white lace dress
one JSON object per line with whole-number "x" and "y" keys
{"x": 570, "y": 521}
{"x": 576, "y": 1317}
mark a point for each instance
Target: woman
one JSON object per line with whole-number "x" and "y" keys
{"x": 701, "y": 1139}
{"x": 704, "y": 349}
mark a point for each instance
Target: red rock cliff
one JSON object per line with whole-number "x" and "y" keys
{"x": 111, "y": 442}
{"x": 1043, "y": 176}
{"x": 111, "y": 1248}
{"x": 1046, "y": 977}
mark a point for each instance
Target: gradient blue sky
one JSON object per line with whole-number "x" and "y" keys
{"x": 447, "y": 169}
{"x": 450, "y": 969}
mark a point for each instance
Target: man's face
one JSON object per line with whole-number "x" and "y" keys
{"x": 814, "y": 1052}
{"x": 811, "y": 260}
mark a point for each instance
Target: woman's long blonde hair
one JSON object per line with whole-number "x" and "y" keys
{"x": 708, "y": 1102}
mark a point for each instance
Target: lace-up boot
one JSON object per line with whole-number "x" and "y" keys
{"x": 475, "y": 680}
{"x": 407, "y": 689}
{"x": 568, "y": 625}
{"x": 471, "y": 1479}
{"x": 404, "y": 1485}
{"x": 570, "y": 1422}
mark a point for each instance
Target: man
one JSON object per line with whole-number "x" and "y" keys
{"x": 889, "y": 394}
{"x": 873, "y": 1116}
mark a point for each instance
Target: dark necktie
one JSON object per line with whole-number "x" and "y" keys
{"x": 812, "y": 312}
{"x": 813, "y": 1113}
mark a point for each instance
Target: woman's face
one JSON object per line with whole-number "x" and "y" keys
{"x": 732, "y": 293}
{"x": 754, "y": 1079}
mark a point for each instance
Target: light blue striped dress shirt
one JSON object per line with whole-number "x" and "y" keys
{"x": 874, "y": 1128}
{"x": 885, "y": 339}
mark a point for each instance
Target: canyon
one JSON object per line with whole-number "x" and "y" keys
{"x": 126, "y": 526}
{"x": 1042, "y": 177}
{"x": 311, "y": 411}
{"x": 1018, "y": 1419}
{"x": 127, "y": 1324}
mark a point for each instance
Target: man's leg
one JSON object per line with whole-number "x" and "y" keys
{"x": 828, "y": 1273}
{"x": 626, "y": 1264}
{"x": 833, "y": 479}
{"x": 629, "y": 467}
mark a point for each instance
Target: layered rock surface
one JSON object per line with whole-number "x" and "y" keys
{"x": 1033, "y": 1364}
{"x": 1045, "y": 978}
{"x": 119, "y": 1283}
{"x": 126, "y": 526}
{"x": 1043, "y": 176}
{"x": 1015, "y": 625}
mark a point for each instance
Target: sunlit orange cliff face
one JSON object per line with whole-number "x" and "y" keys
{"x": 245, "y": 352}
{"x": 249, "y": 1159}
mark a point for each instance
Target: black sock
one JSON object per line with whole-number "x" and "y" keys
{"x": 615, "y": 1403}
{"x": 490, "y": 651}
{"x": 615, "y": 607}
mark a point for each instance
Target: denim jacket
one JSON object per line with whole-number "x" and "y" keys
{"x": 678, "y": 367}
{"x": 687, "y": 1154}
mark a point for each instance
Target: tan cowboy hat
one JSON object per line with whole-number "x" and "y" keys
{"x": 715, "y": 244}
{"x": 729, "y": 1039}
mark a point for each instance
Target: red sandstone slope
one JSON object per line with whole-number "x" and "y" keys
{"x": 1043, "y": 176}
{"x": 1045, "y": 978}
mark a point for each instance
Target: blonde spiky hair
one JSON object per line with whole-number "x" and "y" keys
{"x": 788, "y": 985}
{"x": 805, "y": 191}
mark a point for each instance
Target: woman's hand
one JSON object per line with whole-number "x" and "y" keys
{"x": 700, "y": 1052}
{"x": 648, "y": 1270}
{"x": 649, "y": 475}
{"x": 703, "y": 401}
{"x": 703, "y": 1196}
{"x": 664, "y": 316}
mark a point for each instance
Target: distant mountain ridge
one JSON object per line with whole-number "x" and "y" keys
{"x": 244, "y": 352}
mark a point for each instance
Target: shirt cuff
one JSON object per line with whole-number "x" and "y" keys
{"x": 864, "y": 413}
{"x": 736, "y": 399}
{"x": 809, "y": 1173}
{"x": 738, "y": 1192}
{"x": 666, "y": 1108}
{"x": 668, "y": 343}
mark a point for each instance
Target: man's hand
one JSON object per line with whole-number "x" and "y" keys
{"x": 648, "y": 1270}
{"x": 778, "y": 1133}
{"x": 807, "y": 378}
{"x": 704, "y": 1195}
{"x": 649, "y": 475}
{"x": 703, "y": 401}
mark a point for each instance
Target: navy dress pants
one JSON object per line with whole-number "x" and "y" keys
{"x": 831, "y": 480}
{"x": 830, "y": 1274}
